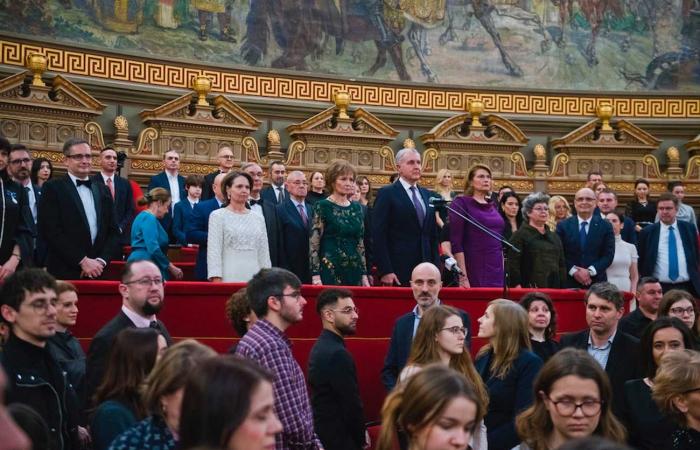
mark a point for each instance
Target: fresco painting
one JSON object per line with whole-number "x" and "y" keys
{"x": 560, "y": 45}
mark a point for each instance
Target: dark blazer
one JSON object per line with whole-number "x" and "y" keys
{"x": 335, "y": 395}
{"x": 182, "y": 215}
{"x": 623, "y": 362}
{"x": 161, "y": 180}
{"x": 400, "y": 347}
{"x": 19, "y": 223}
{"x": 507, "y": 397}
{"x": 272, "y": 226}
{"x": 197, "y": 232}
{"x": 294, "y": 239}
{"x": 269, "y": 195}
{"x": 400, "y": 243}
{"x": 64, "y": 227}
{"x": 123, "y": 205}
{"x": 98, "y": 353}
{"x": 649, "y": 247}
{"x": 207, "y": 190}
{"x": 599, "y": 251}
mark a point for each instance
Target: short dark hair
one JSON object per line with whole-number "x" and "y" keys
{"x": 5, "y": 145}
{"x": 194, "y": 180}
{"x": 528, "y": 299}
{"x": 269, "y": 283}
{"x": 646, "y": 343}
{"x": 668, "y": 197}
{"x": 127, "y": 272}
{"x": 672, "y": 184}
{"x": 608, "y": 191}
{"x": 17, "y": 285}
{"x": 104, "y": 149}
{"x": 329, "y": 297}
{"x": 646, "y": 280}
{"x": 593, "y": 172}
{"x": 639, "y": 181}
{"x": 276, "y": 163}
{"x": 18, "y": 147}
{"x": 606, "y": 291}
{"x": 72, "y": 142}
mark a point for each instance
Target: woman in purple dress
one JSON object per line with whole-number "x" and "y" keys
{"x": 479, "y": 255}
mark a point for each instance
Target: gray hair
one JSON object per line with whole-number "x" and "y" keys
{"x": 530, "y": 202}
{"x": 404, "y": 151}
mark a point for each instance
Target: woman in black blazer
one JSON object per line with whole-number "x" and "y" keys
{"x": 508, "y": 368}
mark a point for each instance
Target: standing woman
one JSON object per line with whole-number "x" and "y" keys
{"x": 623, "y": 271}
{"x": 336, "y": 246}
{"x": 316, "y": 190}
{"x": 641, "y": 209}
{"x": 479, "y": 256}
{"x": 237, "y": 246}
{"x": 42, "y": 171}
{"x": 508, "y": 368}
{"x": 365, "y": 191}
{"x": 443, "y": 186}
{"x": 510, "y": 208}
{"x": 542, "y": 324}
{"x": 148, "y": 238}
{"x": 570, "y": 403}
{"x": 559, "y": 209}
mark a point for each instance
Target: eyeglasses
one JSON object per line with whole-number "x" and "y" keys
{"x": 680, "y": 311}
{"x": 42, "y": 306}
{"x": 79, "y": 156}
{"x": 20, "y": 161}
{"x": 295, "y": 295}
{"x": 348, "y": 310}
{"x": 146, "y": 282}
{"x": 456, "y": 330}
{"x": 567, "y": 407}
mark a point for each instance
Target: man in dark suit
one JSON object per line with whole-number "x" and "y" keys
{"x": 19, "y": 168}
{"x": 76, "y": 219}
{"x": 295, "y": 217}
{"x": 225, "y": 158}
{"x": 668, "y": 250}
{"x": 171, "y": 180}
{"x": 121, "y": 192}
{"x": 426, "y": 284}
{"x": 404, "y": 230}
{"x": 616, "y": 351}
{"x": 141, "y": 289}
{"x": 267, "y": 208}
{"x": 182, "y": 212}
{"x": 335, "y": 394}
{"x": 275, "y": 193}
{"x": 649, "y": 295}
{"x": 589, "y": 242}
{"x": 197, "y": 230}
{"x": 607, "y": 203}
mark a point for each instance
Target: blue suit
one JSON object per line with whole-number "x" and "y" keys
{"x": 294, "y": 237}
{"x": 182, "y": 214}
{"x": 198, "y": 233}
{"x": 599, "y": 250}
{"x": 400, "y": 243}
{"x": 161, "y": 180}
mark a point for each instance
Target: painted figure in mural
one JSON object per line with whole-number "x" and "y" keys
{"x": 206, "y": 10}
{"x": 123, "y": 16}
{"x": 170, "y": 13}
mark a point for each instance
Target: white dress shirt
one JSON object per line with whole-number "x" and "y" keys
{"x": 174, "y": 188}
{"x": 29, "y": 187}
{"x": 88, "y": 205}
{"x": 407, "y": 187}
{"x": 139, "y": 321}
{"x": 661, "y": 266}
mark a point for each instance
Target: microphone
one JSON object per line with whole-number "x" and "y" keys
{"x": 451, "y": 264}
{"x": 437, "y": 202}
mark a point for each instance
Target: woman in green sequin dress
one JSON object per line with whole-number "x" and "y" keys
{"x": 336, "y": 246}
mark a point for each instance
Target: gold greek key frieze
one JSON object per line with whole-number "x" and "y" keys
{"x": 141, "y": 70}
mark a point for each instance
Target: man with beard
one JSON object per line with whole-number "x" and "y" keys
{"x": 426, "y": 282}
{"x": 141, "y": 289}
{"x": 276, "y": 299}
{"x": 20, "y": 166}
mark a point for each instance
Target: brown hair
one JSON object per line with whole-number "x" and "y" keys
{"x": 228, "y": 180}
{"x": 336, "y": 169}
{"x": 678, "y": 372}
{"x": 154, "y": 195}
{"x": 668, "y": 197}
{"x": 468, "y": 189}
{"x": 64, "y": 286}
{"x": 676, "y": 295}
{"x": 512, "y": 335}
{"x": 531, "y": 297}
{"x": 194, "y": 180}
{"x": 237, "y": 310}
{"x": 359, "y": 180}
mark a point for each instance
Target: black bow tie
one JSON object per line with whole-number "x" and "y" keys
{"x": 86, "y": 183}
{"x": 256, "y": 202}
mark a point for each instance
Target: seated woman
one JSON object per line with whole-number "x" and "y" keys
{"x": 508, "y": 369}
{"x": 219, "y": 414}
{"x": 677, "y": 392}
{"x": 163, "y": 398}
{"x": 148, "y": 238}
{"x": 542, "y": 324}
{"x": 648, "y": 428}
{"x": 570, "y": 403}
{"x": 682, "y": 305}
{"x": 118, "y": 398}
{"x": 438, "y": 408}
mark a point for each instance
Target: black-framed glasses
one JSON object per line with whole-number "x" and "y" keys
{"x": 680, "y": 311}
{"x": 348, "y": 310}
{"x": 42, "y": 306}
{"x": 295, "y": 295}
{"x": 455, "y": 330}
{"x": 567, "y": 407}
{"x": 146, "y": 282}
{"x": 20, "y": 161}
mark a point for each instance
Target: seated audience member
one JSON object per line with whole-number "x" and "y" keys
{"x": 335, "y": 394}
{"x": 220, "y": 414}
{"x": 182, "y": 212}
{"x": 141, "y": 289}
{"x": 239, "y": 313}
{"x": 559, "y": 209}
{"x": 623, "y": 272}
{"x": 593, "y": 443}
{"x": 162, "y": 398}
{"x": 648, "y": 428}
{"x": 641, "y": 210}
{"x": 509, "y": 207}
{"x": 542, "y": 324}
{"x": 607, "y": 203}
{"x": 685, "y": 212}
{"x": 28, "y": 304}
{"x": 267, "y": 209}
{"x": 648, "y": 297}
{"x": 316, "y": 188}
{"x": 295, "y": 219}
{"x": 426, "y": 285}
{"x": 31, "y": 423}
{"x": 666, "y": 244}
{"x": 682, "y": 305}
{"x": 540, "y": 262}
{"x": 149, "y": 241}
{"x": 437, "y": 408}
{"x": 440, "y": 339}
{"x": 198, "y": 227}
{"x": 42, "y": 171}
{"x": 570, "y": 403}
{"x": 508, "y": 369}
{"x": 118, "y": 399}
{"x": 616, "y": 351}
{"x": 677, "y": 390}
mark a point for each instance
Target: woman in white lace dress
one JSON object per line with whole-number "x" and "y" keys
{"x": 237, "y": 244}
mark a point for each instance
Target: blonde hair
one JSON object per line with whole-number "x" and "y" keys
{"x": 511, "y": 336}
{"x": 552, "y": 220}
{"x": 468, "y": 189}
{"x": 154, "y": 195}
{"x": 678, "y": 372}
{"x": 444, "y": 192}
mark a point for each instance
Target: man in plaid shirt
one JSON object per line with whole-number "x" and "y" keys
{"x": 275, "y": 298}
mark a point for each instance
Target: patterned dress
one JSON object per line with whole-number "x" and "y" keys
{"x": 336, "y": 246}
{"x": 150, "y": 433}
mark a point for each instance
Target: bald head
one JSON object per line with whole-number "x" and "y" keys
{"x": 426, "y": 283}
{"x": 216, "y": 186}
{"x": 584, "y": 201}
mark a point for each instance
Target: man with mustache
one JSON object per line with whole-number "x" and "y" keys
{"x": 335, "y": 393}
{"x": 20, "y": 167}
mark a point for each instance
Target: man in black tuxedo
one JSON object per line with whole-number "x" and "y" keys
{"x": 141, "y": 289}
{"x": 616, "y": 351}
{"x": 76, "y": 219}
{"x": 19, "y": 168}
{"x": 170, "y": 180}
{"x": 668, "y": 250}
{"x": 589, "y": 242}
{"x": 225, "y": 158}
{"x": 404, "y": 230}
{"x": 426, "y": 282}
{"x": 295, "y": 217}
{"x": 267, "y": 208}
{"x": 121, "y": 192}
{"x": 275, "y": 193}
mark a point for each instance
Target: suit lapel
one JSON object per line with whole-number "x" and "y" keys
{"x": 97, "y": 199}
{"x": 73, "y": 193}
{"x": 294, "y": 212}
{"x": 405, "y": 198}
{"x": 425, "y": 194}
